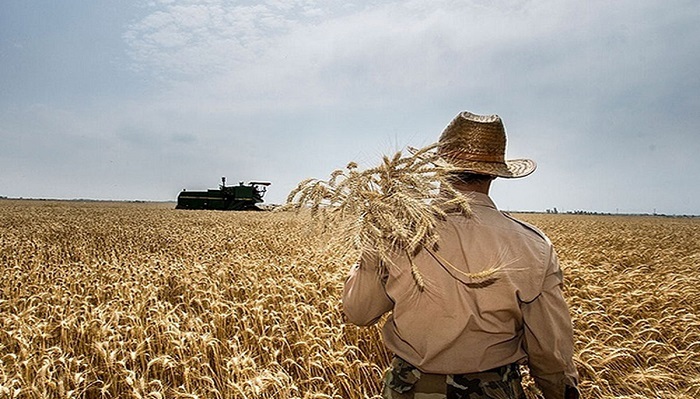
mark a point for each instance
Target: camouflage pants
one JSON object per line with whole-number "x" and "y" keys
{"x": 403, "y": 381}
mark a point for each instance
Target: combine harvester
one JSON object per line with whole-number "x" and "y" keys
{"x": 227, "y": 198}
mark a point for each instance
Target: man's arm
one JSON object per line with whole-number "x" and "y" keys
{"x": 549, "y": 337}
{"x": 364, "y": 297}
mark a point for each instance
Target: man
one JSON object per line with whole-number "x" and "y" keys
{"x": 463, "y": 338}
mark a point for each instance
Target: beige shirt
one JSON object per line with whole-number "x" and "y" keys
{"x": 455, "y": 326}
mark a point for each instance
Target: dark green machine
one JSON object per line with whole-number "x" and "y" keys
{"x": 227, "y": 198}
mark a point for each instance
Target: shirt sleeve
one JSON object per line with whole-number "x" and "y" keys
{"x": 364, "y": 297}
{"x": 549, "y": 336}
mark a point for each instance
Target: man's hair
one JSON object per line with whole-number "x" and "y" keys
{"x": 470, "y": 177}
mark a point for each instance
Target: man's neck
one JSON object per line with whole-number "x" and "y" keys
{"x": 480, "y": 187}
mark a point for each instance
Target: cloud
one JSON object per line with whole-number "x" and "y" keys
{"x": 192, "y": 38}
{"x": 566, "y": 75}
{"x": 367, "y": 44}
{"x": 280, "y": 53}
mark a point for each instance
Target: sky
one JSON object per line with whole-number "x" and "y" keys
{"x": 136, "y": 100}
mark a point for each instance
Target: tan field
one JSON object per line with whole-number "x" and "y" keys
{"x": 117, "y": 300}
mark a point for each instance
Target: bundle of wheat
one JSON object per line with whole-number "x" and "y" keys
{"x": 389, "y": 210}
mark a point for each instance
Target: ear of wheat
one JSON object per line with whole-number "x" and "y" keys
{"x": 391, "y": 209}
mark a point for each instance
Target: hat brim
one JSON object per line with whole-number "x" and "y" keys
{"x": 510, "y": 169}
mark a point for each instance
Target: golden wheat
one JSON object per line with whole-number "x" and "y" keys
{"x": 102, "y": 300}
{"x": 388, "y": 210}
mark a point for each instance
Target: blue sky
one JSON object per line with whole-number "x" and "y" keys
{"x": 139, "y": 99}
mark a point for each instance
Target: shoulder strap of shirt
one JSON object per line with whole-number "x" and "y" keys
{"x": 528, "y": 226}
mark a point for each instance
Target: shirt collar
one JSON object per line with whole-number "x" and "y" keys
{"x": 480, "y": 199}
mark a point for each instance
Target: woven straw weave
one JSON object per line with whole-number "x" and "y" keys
{"x": 477, "y": 143}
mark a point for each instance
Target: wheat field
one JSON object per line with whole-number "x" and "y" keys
{"x": 138, "y": 300}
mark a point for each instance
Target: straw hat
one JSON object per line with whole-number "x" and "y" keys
{"x": 477, "y": 143}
